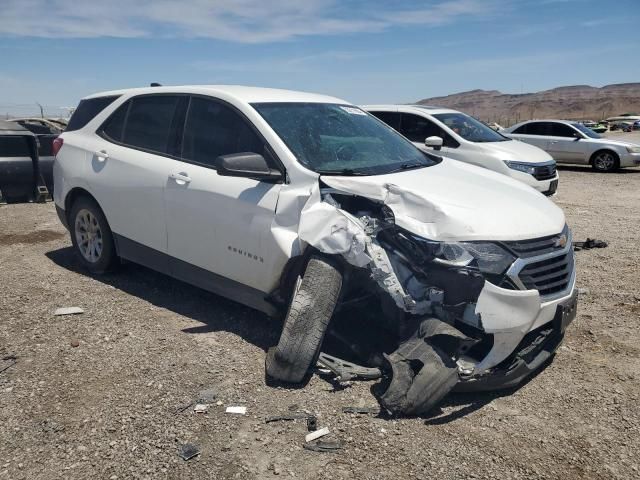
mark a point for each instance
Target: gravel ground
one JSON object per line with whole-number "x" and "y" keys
{"x": 99, "y": 395}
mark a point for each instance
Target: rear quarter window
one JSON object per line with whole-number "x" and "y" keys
{"x": 87, "y": 110}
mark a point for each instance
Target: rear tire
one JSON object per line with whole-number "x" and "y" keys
{"x": 605, "y": 161}
{"x": 91, "y": 236}
{"x": 311, "y": 308}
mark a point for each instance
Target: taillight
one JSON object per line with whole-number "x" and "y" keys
{"x": 57, "y": 145}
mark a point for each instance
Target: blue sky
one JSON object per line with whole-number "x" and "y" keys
{"x": 365, "y": 51}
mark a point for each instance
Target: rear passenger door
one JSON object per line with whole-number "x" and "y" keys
{"x": 534, "y": 133}
{"x": 128, "y": 173}
{"x": 219, "y": 224}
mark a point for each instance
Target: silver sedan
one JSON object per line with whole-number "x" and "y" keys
{"x": 572, "y": 142}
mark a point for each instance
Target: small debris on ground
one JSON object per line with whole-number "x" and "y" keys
{"x": 583, "y": 291}
{"x": 188, "y": 451}
{"x": 9, "y": 358}
{"x": 237, "y": 410}
{"x": 589, "y": 243}
{"x": 323, "y": 446}
{"x": 207, "y": 396}
{"x": 312, "y": 423}
{"x": 75, "y": 343}
{"x": 68, "y": 311}
{"x": 201, "y": 408}
{"x": 361, "y": 410}
{"x": 287, "y": 417}
{"x": 317, "y": 434}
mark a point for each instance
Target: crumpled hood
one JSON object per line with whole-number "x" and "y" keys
{"x": 454, "y": 201}
{"x": 518, "y": 151}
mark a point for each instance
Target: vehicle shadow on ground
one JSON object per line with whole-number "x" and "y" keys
{"x": 587, "y": 168}
{"x": 215, "y": 313}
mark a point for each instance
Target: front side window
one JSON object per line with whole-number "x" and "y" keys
{"x": 562, "y": 130}
{"x": 213, "y": 129}
{"x": 469, "y": 128}
{"x": 341, "y": 139}
{"x": 417, "y": 128}
{"x": 587, "y": 131}
{"x": 535, "y": 128}
{"x": 148, "y": 123}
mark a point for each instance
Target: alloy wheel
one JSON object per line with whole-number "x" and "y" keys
{"x": 604, "y": 161}
{"x": 88, "y": 236}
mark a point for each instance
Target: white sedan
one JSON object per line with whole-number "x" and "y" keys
{"x": 572, "y": 142}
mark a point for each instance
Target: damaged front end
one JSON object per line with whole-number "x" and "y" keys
{"x": 460, "y": 318}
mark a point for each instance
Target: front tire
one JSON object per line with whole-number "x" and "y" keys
{"x": 311, "y": 308}
{"x": 91, "y": 236}
{"x": 605, "y": 161}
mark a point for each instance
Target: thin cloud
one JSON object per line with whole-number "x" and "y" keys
{"x": 242, "y": 21}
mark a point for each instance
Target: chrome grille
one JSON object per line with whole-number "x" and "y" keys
{"x": 548, "y": 276}
{"x": 545, "y": 172}
{"x": 545, "y": 264}
{"x": 538, "y": 246}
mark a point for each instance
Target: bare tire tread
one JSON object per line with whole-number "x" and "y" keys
{"x": 306, "y": 322}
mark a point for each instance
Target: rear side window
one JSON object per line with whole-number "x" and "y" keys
{"x": 390, "y": 118}
{"x": 113, "y": 128}
{"x": 213, "y": 129}
{"x": 534, "y": 128}
{"x": 148, "y": 124}
{"x": 87, "y": 110}
{"x": 14, "y": 146}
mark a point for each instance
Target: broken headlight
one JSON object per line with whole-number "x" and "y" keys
{"x": 485, "y": 256}
{"x": 488, "y": 257}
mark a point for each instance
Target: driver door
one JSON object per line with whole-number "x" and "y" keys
{"x": 417, "y": 128}
{"x": 220, "y": 224}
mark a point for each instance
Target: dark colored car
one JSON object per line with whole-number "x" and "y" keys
{"x": 46, "y": 132}
{"x": 19, "y": 170}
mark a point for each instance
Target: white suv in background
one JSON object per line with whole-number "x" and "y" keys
{"x": 294, "y": 204}
{"x": 572, "y": 142}
{"x": 461, "y": 137}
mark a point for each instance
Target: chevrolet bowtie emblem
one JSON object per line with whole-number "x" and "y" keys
{"x": 561, "y": 241}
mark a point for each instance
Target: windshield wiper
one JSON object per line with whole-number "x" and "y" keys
{"x": 408, "y": 166}
{"x": 348, "y": 172}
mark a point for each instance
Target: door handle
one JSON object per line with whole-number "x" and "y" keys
{"x": 101, "y": 155}
{"x": 553, "y": 142}
{"x": 180, "y": 178}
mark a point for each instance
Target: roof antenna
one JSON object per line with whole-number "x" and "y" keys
{"x": 155, "y": 84}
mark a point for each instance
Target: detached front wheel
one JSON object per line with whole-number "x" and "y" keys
{"x": 312, "y": 304}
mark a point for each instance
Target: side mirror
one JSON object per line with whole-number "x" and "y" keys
{"x": 434, "y": 142}
{"x": 247, "y": 165}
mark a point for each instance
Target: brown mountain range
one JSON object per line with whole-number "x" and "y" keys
{"x": 576, "y": 102}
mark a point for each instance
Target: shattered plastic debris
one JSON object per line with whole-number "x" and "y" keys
{"x": 310, "y": 437}
{"x": 236, "y": 410}
{"x": 346, "y": 371}
{"x": 424, "y": 368}
{"x": 68, "y": 311}
{"x": 188, "y": 451}
{"x": 207, "y": 396}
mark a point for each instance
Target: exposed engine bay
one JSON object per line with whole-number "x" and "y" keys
{"x": 449, "y": 325}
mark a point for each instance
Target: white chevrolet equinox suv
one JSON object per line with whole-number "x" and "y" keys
{"x": 297, "y": 204}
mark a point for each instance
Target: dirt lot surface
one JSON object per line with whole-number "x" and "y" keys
{"x": 98, "y": 395}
